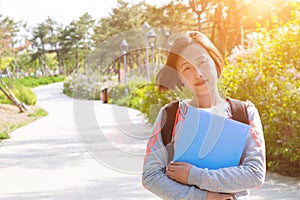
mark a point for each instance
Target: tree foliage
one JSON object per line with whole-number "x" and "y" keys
{"x": 8, "y": 29}
{"x": 266, "y": 72}
{"x": 8, "y": 50}
{"x": 224, "y": 21}
{"x": 71, "y": 44}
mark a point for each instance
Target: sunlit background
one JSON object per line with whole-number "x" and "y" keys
{"x": 259, "y": 40}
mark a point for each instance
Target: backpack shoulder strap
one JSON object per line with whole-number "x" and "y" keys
{"x": 168, "y": 119}
{"x": 239, "y": 110}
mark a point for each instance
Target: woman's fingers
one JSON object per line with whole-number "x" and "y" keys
{"x": 218, "y": 196}
{"x": 179, "y": 171}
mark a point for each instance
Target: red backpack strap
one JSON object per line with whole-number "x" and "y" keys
{"x": 168, "y": 119}
{"x": 239, "y": 110}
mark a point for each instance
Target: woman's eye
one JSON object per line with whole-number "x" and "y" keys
{"x": 186, "y": 68}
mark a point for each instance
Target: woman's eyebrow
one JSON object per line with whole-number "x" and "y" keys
{"x": 182, "y": 64}
{"x": 200, "y": 58}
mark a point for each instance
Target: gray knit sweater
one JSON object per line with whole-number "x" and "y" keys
{"x": 237, "y": 180}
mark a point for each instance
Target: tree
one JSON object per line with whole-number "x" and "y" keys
{"x": 8, "y": 30}
{"x": 52, "y": 41}
{"x": 71, "y": 44}
{"x": 227, "y": 21}
{"x": 75, "y": 42}
{"x": 40, "y": 40}
{"x": 122, "y": 18}
{"x": 81, "y": 37}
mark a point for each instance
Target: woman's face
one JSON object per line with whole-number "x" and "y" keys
{"x": 197, "y": 70}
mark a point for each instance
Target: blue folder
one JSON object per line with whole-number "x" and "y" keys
{"x": 210, "y": 141}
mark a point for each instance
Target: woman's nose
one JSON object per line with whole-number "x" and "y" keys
{"x": 198, "y": 73}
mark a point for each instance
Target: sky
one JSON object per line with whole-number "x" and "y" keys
{"x": 63, "y": 11}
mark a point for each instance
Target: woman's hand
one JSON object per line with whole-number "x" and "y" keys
{"x": 218, "y": 196}
{"x": 179, "y": 171}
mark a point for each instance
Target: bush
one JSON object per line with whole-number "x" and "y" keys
{"x": 145, "y": 97}
{"x": 3, "y": 99}
{"x": 87, "y": 84}
{"x": 265, "y": 72}
{"x": 21, "y": 88}
{"x": 82, "y": 86}
{"x": 149, "y": 100}
{"x": 117, "y": 95}
{"x": 22, "y": 93}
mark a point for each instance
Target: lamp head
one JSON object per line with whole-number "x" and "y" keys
{"x": 124, "y": 46}
{"x": 151, "y": 36}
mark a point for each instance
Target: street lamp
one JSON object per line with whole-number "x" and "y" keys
{"x": 124, "y": 49}
{"x": 167, "y": 35}
{"x": 146, "y": 27}
{"x": 151, "y": 37}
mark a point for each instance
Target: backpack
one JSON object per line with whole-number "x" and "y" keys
{"x": 238, "y": 109}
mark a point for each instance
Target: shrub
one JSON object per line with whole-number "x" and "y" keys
{"x": 3, "y": 99}
{"x": 265, "y": 72}
{"x": 149, "y": 100}
{"x": 117, "y": 95}
{"x": 87, "y": 84}
{"x": 82, "y": 86}
{"x": 145, "y": 97}
{"x": 22, "y": 93}
{"x": 21, "y": 88}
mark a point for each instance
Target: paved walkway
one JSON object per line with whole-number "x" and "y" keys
{"x": 88, "y": 150}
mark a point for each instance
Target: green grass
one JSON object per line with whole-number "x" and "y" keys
{"x": 22, "y": 93}
{"x": 3, "y": 136}
{"x": 32, "y": 82}
{"x": 37, "y": 114}
{"x": 22, "y": 88}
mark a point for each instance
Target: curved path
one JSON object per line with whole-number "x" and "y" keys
{"x": 88, "y": 150}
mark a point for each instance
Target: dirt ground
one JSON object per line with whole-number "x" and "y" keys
{"x": 11, "y": 117}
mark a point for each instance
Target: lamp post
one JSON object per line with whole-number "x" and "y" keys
{"x": 146, "y": 27}
{"x": 167, "y": 35}
{"x": 151, "y": 37}
{"x": 124, "y": 49}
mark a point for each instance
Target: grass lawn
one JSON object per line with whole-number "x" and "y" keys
{"x": 11, "y": 118}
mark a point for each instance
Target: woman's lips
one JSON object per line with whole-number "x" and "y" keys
{"x": 200, "y": 83}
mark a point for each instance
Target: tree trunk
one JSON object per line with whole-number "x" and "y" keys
{"x": 76, "y": 59}
{"x": 3, "y": 87}
{"x": 44, "y": 61}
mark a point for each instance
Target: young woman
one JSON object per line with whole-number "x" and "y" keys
{"x": 199, "y": 65}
